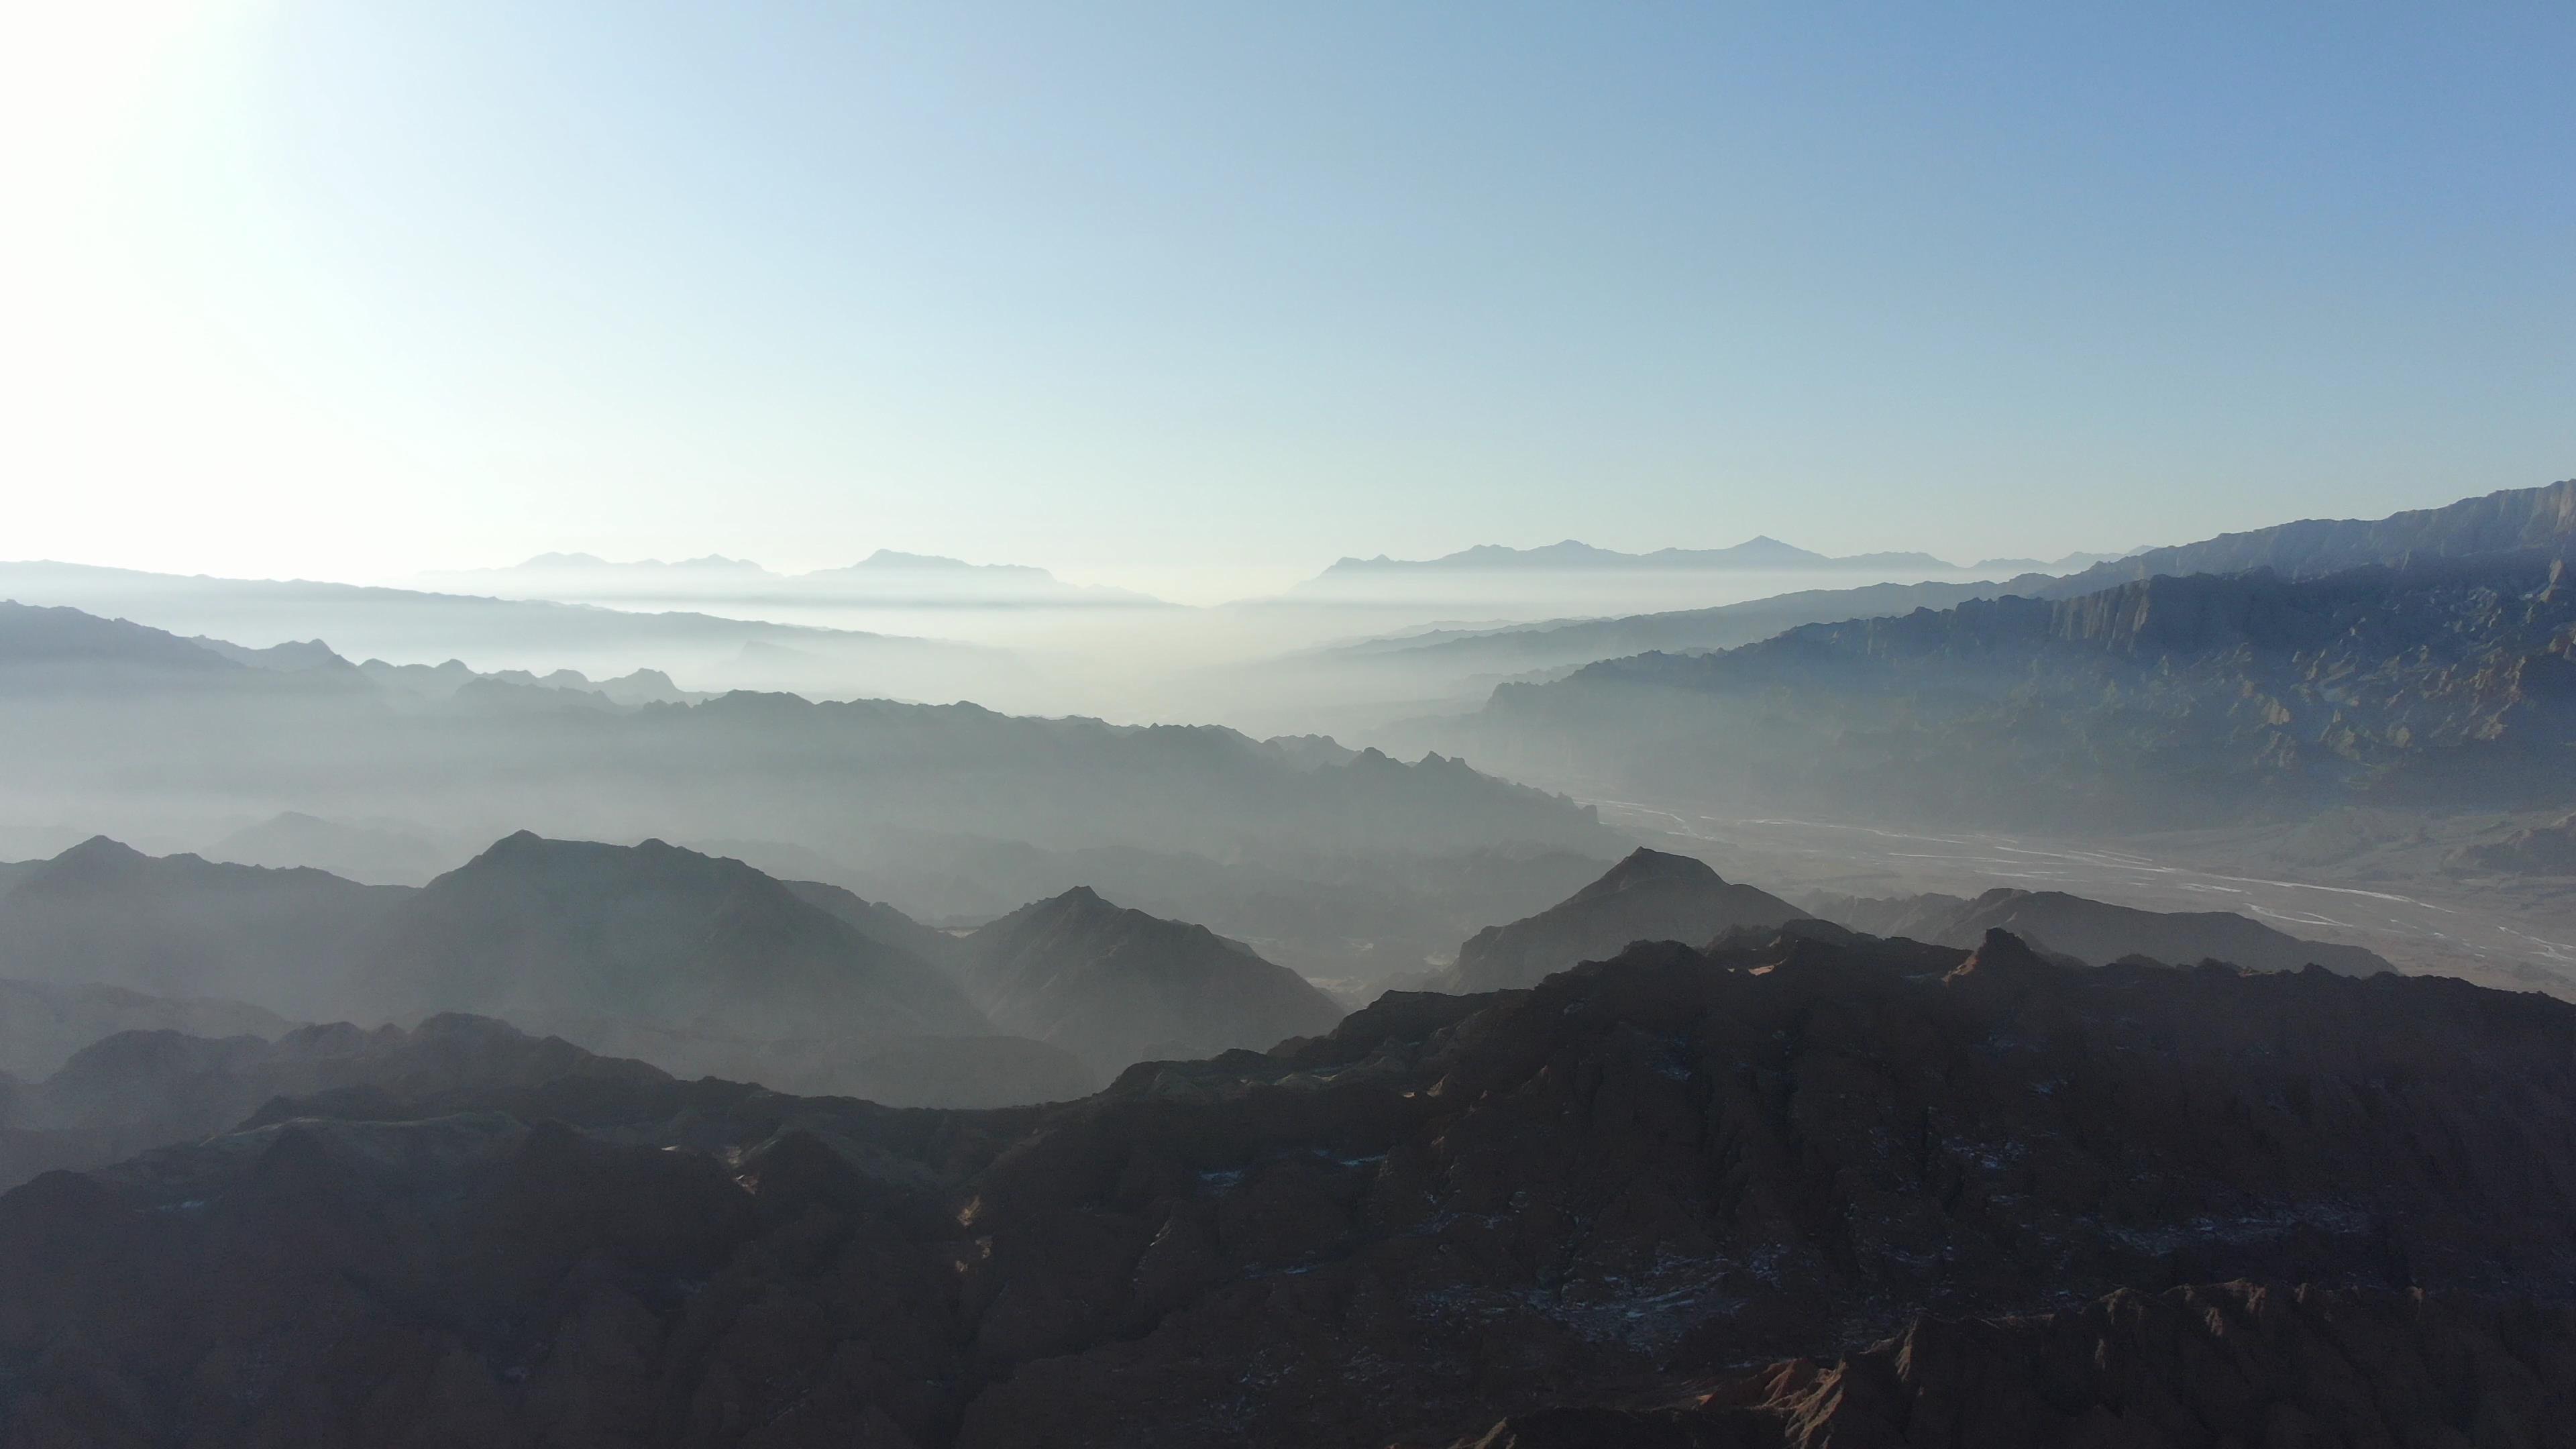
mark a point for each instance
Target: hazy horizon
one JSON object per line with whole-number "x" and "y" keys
{"x": 1196, "y": 306}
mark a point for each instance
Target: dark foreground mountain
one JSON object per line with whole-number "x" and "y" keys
{"x": 103, "y": 913}
{"x": 1650, "y": 896}
{"x": 2095, "y": 932}
{"x": 2188, "y": 1367}
{"x": 2166, "y": 701}
{"x": 1117, "y": 986}
{"x": 1609, "y": 1191}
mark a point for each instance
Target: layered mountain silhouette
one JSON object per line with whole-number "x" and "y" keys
{"x": 375, "y": 855}
{"x": 43, "y": 1023}
{"x": 1117, "y": 986}
{"x": 2095, "y": 932}
{"x": 2172, "y": 700}
{"x": 525, "y": 633}
{"x": 1650, "y": 896}
{"x": 1546, "y": 1208}
{"x": 740, "y": 766}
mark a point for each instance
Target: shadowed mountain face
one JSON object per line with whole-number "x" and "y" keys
{"x": 1119, "y": 986}
{"x": 1611, "y": 1189}
{"x": 104, "y": 913}
{"x": 1650, "y": 896}
{"x": 574, "y": 934}
{"x": 2095, "y": 933}
{"x": 2172, "y": 700}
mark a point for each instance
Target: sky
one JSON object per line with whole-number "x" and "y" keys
{"x": 1198, "y": 297}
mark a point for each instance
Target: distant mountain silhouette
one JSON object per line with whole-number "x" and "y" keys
{"x": 1117, "y": 986}
{"x": 1760, "y": 552}
{"x": 568, "y": 935}
{"x": 2097, "y": 933}
{"x": 1650, "y": 896}
{"x": 887, "y": 573}
{"x": 103, "y": 913}
{"x": 415, "y": 625}
{"x": 371, "y": 854}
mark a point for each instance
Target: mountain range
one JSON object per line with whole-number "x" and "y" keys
{"x": 1672, "y": 1198}
{"x": 1431, "y": 661}
{"x": 754, "y": 766}
{"x": 2202, "y": 698}
{"x": 418, "y": 627}
{"x": 699, "y": 964}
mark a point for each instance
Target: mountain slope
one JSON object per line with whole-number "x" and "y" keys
{"x": 2094, "y": 932}
{"x": 1118, "y": 986}
{"x": 1650, "y": 896}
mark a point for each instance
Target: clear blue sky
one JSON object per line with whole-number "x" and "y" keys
{"x": 1202, "y": 296}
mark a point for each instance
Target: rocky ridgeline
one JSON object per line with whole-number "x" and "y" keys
{"x": 1602, "y": 1194}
